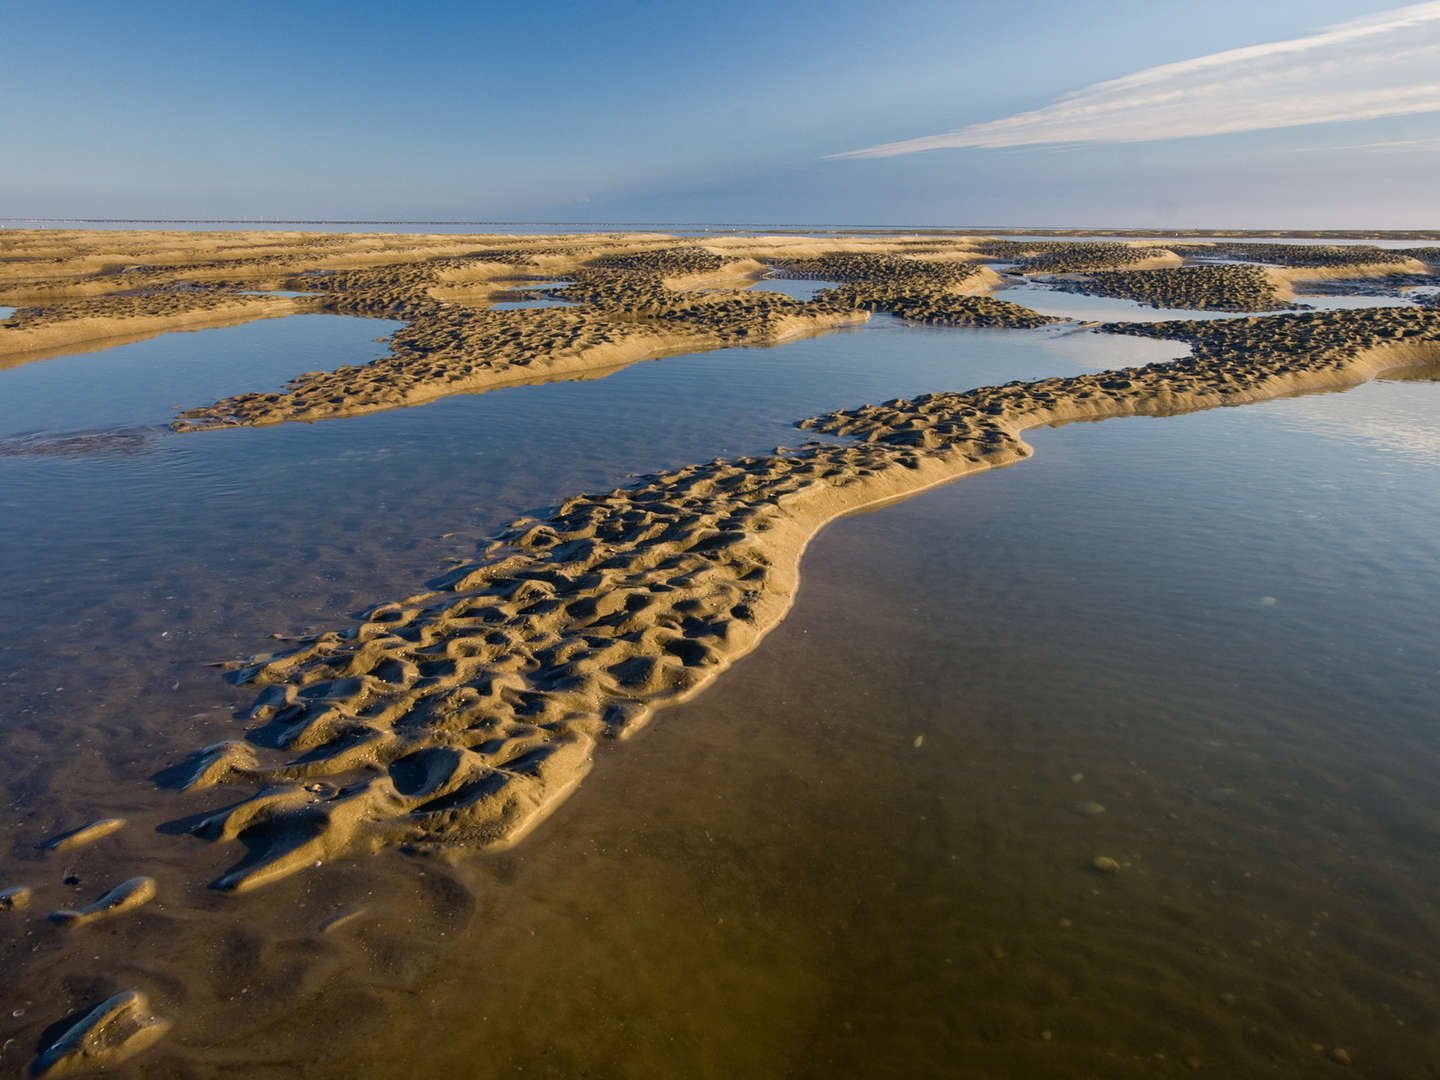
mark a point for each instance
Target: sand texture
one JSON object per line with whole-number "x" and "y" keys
{"x": 1050, "y": 257}
{"x": 1353, "y": 259}
{"x": 464, "y": 715}
{"x": 1201, "y": 288}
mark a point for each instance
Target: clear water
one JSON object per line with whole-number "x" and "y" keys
{"x": 795, "y": 288}
{"x": 523, "y": 305}
{"x": 1327, "y": 302}
{"x": 469, "y": 462}
{"x": 280, "y": 292}
{"x": 1084, "y": 308}
{"x": 6, "y": 312}
{"x": 533, "y": 301}
{"x": 140, "y": 384}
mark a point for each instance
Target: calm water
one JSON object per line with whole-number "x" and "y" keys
{"x": 523, "y": 305}
{"x": 1084, "y": 308}
{"x": 217, "y": 539}
{"x": 798, "y": 289}
{"x": 140, "y": 384}
{"x": 866, "y": 835}
{"x": 1218, "y": 629}
{"x": 535, "y": 301}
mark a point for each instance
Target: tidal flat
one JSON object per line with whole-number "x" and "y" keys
{"x": 509, "y": 544}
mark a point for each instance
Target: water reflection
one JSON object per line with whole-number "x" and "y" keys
{"x": 533, "y": 296}
{"x": 141, "y": 383}
{"x": 524, "y": 305}
{"x": 795, "y": 288}
{"x": 1082, "y": 307}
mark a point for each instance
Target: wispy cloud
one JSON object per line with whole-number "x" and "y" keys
{"x": 1383, "y": 65}
{"x": 1399, "y": 146}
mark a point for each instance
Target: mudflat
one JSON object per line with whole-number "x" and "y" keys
{"x": 455, "y": 719}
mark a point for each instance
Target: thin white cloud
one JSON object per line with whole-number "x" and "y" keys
{"x": 1401, "y": 146}
{"x": 1382, "y": 65}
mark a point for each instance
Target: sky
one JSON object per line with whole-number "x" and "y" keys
{"x": 1153, "y": 114}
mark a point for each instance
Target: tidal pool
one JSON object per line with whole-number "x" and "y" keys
{"x": 1082, "y": 307}
{"x": 795, "y": 288}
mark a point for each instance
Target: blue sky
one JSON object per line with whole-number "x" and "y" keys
{"x": 1026, "y": 112}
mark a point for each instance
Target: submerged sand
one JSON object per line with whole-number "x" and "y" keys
{"x": 457, "y": 719}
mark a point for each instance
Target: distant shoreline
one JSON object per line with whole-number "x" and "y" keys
{"x": 622, "y": 226}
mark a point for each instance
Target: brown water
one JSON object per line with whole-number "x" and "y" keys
{"x": 1223, "y": 623}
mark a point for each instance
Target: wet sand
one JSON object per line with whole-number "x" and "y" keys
{"x": 457, "y": 719}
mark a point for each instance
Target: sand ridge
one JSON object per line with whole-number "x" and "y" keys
{"x": 1065, "y": 257}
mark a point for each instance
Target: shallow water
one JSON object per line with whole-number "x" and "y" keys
{"x": 1339, "y": 302}
{"x": 112, "y": 526}
{"x": 873, "y": 836}
{"x": 857, "y": 902}
{"x": 1085, "y": 308}
{"x": 140, "y": 384}
{"x": 525, "y": 305}
{"x": 795, "y": 288}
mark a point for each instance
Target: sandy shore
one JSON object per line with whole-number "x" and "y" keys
{"x": 457, "y": 719}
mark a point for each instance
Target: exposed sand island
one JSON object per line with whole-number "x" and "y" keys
{"x": 458, "y": 718}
